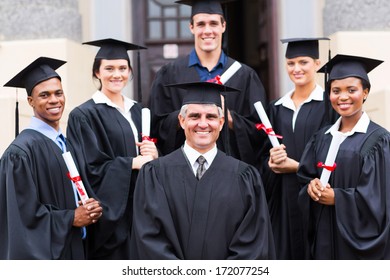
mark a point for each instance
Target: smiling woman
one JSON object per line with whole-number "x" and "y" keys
{"x": 106, "y": 133}
{"x": 348, "y": 218}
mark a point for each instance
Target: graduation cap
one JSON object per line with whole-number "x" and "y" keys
{"x": 115, "y": 49}
{"x": 36, "y": 72}
{"x": 302, "y": 47}
{"x": 39, "y": 70}
{"x": 205, "y": 6}
{"x": 344, "y": 66}
{"x": 207, "y": 93}
{"x": 203, "y": 92}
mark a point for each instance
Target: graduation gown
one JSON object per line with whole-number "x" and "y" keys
{"x": 104, "y": 140}
{"x": 222, "y": 216}
{"x": 165, "y": 103}
{"x": 282, "y": 189}
{"x": 37, "y": 202}
{"x": 358, "y": 225}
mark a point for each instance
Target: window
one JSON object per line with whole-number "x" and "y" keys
{"x": 167, "y": 21}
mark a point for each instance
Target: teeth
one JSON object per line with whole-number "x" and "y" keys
{"x": 344, "y": 105}
{"x": 202, "y": 132}
{"x": 54, "y": 110}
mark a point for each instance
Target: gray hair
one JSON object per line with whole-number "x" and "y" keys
{"x": 183, "y": 110}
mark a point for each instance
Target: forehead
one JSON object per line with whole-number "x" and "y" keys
{"x": 346, "y": 82}
{"x": 206, "y": 17}
{"x": 113, "y": 62}
{"x": 52, "y": 84}
{"x": 300, "y": 58}
{"x": 202, "y": 108}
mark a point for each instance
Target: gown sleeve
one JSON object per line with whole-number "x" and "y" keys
{"x": 30, "y": 229}
{"x": 363, "y": 210}
{"x": 110, "y": 178}
{"x": 154, "y": 232}
{"x": 253, "y": 238}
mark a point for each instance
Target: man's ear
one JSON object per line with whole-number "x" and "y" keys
{"x": 181, "y": 121}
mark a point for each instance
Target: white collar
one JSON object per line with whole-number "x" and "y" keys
{"x": 192, "y": 154}
{"x": 317, "y": 94}
{"x": 361, "y": 126}
{"x": 100, "y": 98}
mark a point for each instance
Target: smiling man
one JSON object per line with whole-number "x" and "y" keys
{"x": 197, "y": 202}
{"x": 40, "y": 213}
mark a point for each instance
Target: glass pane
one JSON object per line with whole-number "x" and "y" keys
{"x": 164, "y": 2}
{"x": 185, "y": 11}
{"x": 169, "y": 12}
{"x": 154, "y": 9}
{"x": 170, "y": 29}
{"x": 154, "y": 30}
{"x": 185, "y": 32}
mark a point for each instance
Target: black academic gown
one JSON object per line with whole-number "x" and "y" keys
{"x": 222, "y": 216}
{"x": 282, "y": 189}
{"x": 37, "y": 202}
{"x": 165, "y": 103}
{"x": 104, "y": 140}
{"x": 358, "y": 225}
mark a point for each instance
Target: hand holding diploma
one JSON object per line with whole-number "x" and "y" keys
{"x": 266, "y": 124}
{"x": 75, "y": 176}
{"x": 330, "y": 164}
{"x": 147, "y": 148}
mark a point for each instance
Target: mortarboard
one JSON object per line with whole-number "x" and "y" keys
{"x": 344, "y": 66}
{"x": 205, "y": 6}
{"x": 203, "y": 92}
{"x": 208, "y": 93}
{"x": 115, "y": 49}
{"x": 302, "y": 47}
{"x": 39, "y": 70}
{"x": 36, "y": 72}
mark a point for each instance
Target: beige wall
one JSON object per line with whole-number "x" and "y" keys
{"x": 76, "y": 78}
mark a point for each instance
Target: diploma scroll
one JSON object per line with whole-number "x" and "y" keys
{"x": 75, "y": 176}
{"x": 331, "y": 157}
{"x": 264, "y": 119}
{"x": 230, "y": 72}
{"x": 145, "y": 123}
{"x": 221, "y": 80}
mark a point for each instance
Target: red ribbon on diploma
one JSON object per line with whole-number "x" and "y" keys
{"x": 269, "y": 131}
{"x": 154, "y": 140}
{"x": 327, "y": 167}
{"x": 76, "y": 181}
{"x": 216, "y": 80}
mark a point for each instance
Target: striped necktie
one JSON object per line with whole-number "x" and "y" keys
{"x": 201, "y": 168}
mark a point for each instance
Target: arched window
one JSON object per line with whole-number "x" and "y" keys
{"x": 167, "y": 21}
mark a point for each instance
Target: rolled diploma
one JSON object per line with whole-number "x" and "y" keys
{"x": 230, "y": 72}
{"x": 331, "y": 157}
{"x": 74, "y": 174}
{"x": 145, "y": 122}
{"x": 264, "y": 119}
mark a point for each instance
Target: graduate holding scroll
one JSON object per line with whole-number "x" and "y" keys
{"x": 41, "y": 216}
{"x": 349, "y": 217}
{"x": 296, "y": 116}
{"x": 106, "y": 133}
